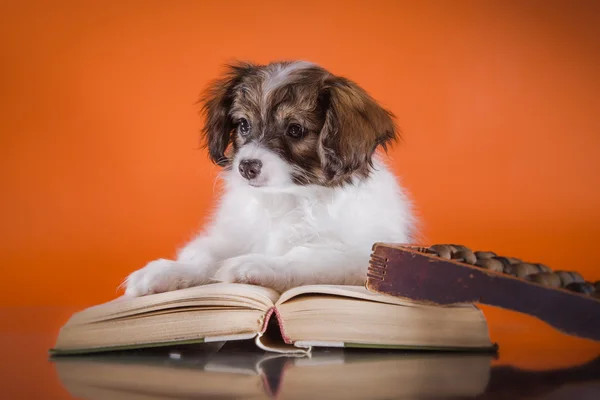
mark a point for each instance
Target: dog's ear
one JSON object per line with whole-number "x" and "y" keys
{"x": 216, "y": 102}
{"x": 355, "y": 126}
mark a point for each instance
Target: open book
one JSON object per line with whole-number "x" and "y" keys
{"x": 291, "y": 322}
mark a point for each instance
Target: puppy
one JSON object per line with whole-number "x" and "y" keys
{"x": 306, "y": 193}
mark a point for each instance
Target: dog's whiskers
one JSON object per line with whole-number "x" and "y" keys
{"x": 218, "y": 178}
{"x": 307, "y": 176}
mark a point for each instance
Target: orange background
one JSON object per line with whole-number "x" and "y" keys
{"x": 101, "y": 169}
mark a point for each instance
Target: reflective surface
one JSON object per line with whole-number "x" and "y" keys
{"x": 239, "y": 370}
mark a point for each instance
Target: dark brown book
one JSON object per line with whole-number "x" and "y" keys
{"x": 451, "y": 275}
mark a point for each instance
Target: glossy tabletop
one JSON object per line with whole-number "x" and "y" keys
{"x": 567, "y": 369}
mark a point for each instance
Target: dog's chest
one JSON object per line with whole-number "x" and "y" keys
{"x": 290, "y": 223}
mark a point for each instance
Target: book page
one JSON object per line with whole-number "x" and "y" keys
{"x": 356, "y": 292}
{"x": 325, "y": 320}
{"x": 212, "y": 295}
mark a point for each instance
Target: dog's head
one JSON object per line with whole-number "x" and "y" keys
{"x": 292, "y": 123}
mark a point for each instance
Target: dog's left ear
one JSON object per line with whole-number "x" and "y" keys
{"x": 355, "y": 126}
{"x": 216, "y": 103}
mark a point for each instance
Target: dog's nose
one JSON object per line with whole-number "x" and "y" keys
{"x": 250, "y": 169}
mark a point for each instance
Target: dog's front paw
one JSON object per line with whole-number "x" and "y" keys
{"x": 161, "y": 276}
{"x": 251, "y": 269}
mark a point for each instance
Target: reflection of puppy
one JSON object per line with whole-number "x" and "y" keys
{"x": 305, "y": 195}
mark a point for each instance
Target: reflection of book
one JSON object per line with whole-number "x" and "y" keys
{"x": 308, "y": 316}
{"x": 332, "y": 376}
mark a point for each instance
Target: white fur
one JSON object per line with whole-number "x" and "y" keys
{"x": 282, "y": 235}
{"x": 277, "y": 76}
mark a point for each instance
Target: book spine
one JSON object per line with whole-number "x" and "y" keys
{"x": 274, "y": 311}
{"x": 281, "y": 325}
{"x": 266, "y": 320}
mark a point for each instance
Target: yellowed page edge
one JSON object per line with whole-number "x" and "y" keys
{"x": 356, "y": 292}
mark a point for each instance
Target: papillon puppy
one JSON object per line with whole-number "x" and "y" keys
{"x": 305, "y": 190}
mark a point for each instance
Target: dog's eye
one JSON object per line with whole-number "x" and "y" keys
{"x": 295, "y": 130}
{"x": 244, "y": 126}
